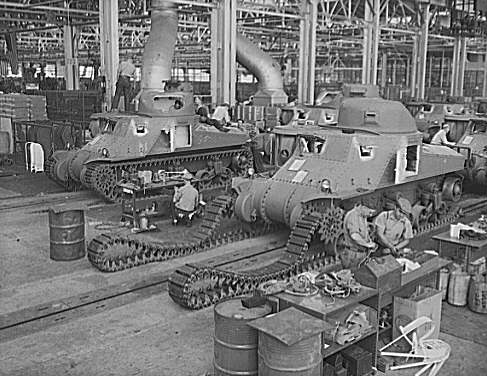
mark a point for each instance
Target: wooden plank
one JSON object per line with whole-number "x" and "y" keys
{"x": 321, "y": 307}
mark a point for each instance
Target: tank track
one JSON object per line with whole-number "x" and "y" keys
{"x": 111, "y": 253}
{"x": 197, "y": 286}
{"x": 102, "y": 177}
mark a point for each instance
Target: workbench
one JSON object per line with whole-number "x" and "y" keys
{"x": 137, "y": 198}
{"x": 323, "y": 307}
{"x": 477, "y": 247}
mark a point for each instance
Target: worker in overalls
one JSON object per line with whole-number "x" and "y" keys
{"x": 185, "y": 201}
{"x": 126, "y": 71}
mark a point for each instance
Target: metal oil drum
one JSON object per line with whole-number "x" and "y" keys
{"x": 235, "y": 341}
{"x": 300, "y": 359}
{"x": 66, "y": 234}
{"x": 458, "y": 288}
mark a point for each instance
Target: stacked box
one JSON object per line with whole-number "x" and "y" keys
{"x": 38, "y": 106}
{"x": 424, "y": 302}
{"x": 15, "y": 106}
{"x": 23, "y": 107}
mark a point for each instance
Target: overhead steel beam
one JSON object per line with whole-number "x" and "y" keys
{"x": 42, "y": 7}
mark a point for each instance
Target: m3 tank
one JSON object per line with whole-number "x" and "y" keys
{"x": 371, "y": 156}
{"x": 163, "y": 135}
{"x": 373, "y": 153}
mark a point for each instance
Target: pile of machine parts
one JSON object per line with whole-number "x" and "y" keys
{"x": 163, "y": 135}
{"x": 374, "y": 153}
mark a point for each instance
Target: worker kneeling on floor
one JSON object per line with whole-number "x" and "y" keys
{"x": 185, "y": 201}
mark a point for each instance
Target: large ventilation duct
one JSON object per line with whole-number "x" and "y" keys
{"x": 158, "y": 55}
{"x": 159, "y": 48}
{"x": 267, "y": 71}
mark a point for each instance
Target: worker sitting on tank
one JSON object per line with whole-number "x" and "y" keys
{"x": 185, "y": 201}
{"x": 394, "y": 229}
{"x": 357, "y": 237}
{"x": 214, "y": 122}
{"x": 440, "y": 137}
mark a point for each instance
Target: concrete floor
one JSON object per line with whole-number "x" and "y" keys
{"x": 145, "y": 335}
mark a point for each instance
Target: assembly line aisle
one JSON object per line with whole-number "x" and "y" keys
{"x": 154, "y": 336}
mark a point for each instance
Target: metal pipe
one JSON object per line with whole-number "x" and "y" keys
{"x": 159, "y": 48}
{"x": 260, "y": 64}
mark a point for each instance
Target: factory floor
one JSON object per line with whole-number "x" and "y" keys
{"x": 138, "y": 333}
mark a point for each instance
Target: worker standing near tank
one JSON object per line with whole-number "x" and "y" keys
{"x": 440, "y": 137}
{"x": 185, "y": 199}
{"x": 126, "y": 71}
{"x": 394, "y": 229}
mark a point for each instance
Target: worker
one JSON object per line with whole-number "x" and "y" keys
{"x": 394, "y": 229}
{"x": 185, "y": 200}
{"x": 200, "y": 108}
{"x": 440, "y": 137}
{"x": 126, "y": 71}
{"x": 358, "y": 241}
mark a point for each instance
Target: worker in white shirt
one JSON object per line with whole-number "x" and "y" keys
{"x": 440, "y": 137}
{"x": 126, "y": 71}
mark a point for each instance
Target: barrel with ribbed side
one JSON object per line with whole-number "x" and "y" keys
{"x": 477, "y": 294}
{"x": 303, "y": 358}
{"x": 67, "y": 235}
{"x": 235, "y": 341}
{"x": 458, "y": 288}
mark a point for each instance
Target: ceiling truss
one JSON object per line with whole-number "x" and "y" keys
{"x": 273, "y": 24}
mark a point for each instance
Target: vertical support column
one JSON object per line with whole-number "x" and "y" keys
{"x": 370, "y": 55}
{"x": 442, "y": 65}
{"x": 108, "y": 11}
{"x": 458, "y": 66}
{"x": 453, "y": 83}
{"x": 414, "y": 66}
{"x": 462, "y": 60}
{"x": 71, "y": 58}
{"x": 423, "y": 51}
{"x": 484, "y": 87}
{"x": 394, "y": 71}
{"x": 307, "y": 51}
{"x": 223, "y": 76}
{"x": 383, "y": 77}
